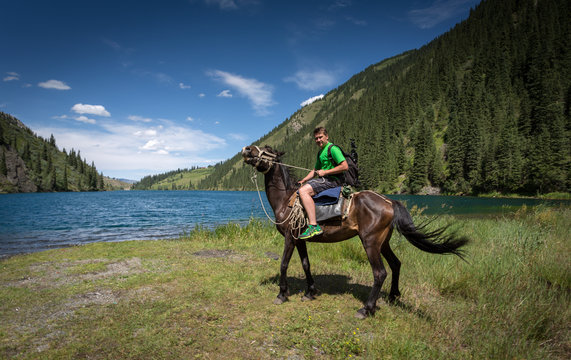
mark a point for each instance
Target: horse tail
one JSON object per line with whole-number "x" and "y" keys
{"x": 436, "y": 242}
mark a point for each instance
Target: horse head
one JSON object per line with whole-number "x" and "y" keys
{"x": 262, "y": 159}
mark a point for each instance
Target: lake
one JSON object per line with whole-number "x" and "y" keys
{"x": 41, "y": 221}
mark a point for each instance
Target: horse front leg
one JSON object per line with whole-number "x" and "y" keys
{"x": 311, "y": 291}
{"x": 286, "y": 257}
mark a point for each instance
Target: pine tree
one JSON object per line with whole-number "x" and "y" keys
{"x": 65, "y": 186}
{"x": 38, "y": 164}
{"x": 3, "y": 166}
{"x": 44, "y": 152}
{"x": 52, "y": 180}
{"x": 2, "y": 140}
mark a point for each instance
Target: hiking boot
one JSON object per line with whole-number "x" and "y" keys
{"x": 311, "y": 231}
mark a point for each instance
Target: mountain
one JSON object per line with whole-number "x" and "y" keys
{"x": 482, "y": 108}
{"x": 29, "y": 163}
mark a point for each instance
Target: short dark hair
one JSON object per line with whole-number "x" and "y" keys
{"x": 320, "y": 129}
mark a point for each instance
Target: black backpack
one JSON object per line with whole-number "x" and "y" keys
{"x": 352, "y": 174}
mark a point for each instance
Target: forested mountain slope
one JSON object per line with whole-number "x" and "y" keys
{"x": 484, "y": 107}
{"x": 29, "y": 163}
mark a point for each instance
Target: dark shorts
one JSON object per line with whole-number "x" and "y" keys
{"x": 320, "y": 184}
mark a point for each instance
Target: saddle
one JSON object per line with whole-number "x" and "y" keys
{"x": 331, "y": 204}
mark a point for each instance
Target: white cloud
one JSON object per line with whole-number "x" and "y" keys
{"x": 153, "y": 144}
{"x": 183, "y": 86}
{"x": 357, "y": 22}
{"x": 225, "y": 93}
{"x": 98, "y": 110}
{"x": 119, "y": 149}
{"x": 259, "y": 93}
{"x": 12, "y": 76}
{"x": 312, "y": 80}
{"x": 54, "y": 84}
{"x": 139, "y": 118}
{"x": 223, "y": 4}
{"x": 438, "y": 12}
{"x": 239, "y": 137}
{"x": 312, "y": 99}
{"x": 189, "y": 118}
{"x": 85, "y": 119}
{"x": 201, "y": 95}
{"x": 146, "y": 133}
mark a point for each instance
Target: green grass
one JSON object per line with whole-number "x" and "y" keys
{"x": 209, "y": 295}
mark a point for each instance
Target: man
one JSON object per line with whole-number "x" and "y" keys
{"x": 329, "y": 177}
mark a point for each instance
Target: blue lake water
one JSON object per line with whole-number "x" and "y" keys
{"x": 41, "y": 221}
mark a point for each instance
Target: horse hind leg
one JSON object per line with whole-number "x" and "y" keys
{"x": 394, "y": 264}
{"x": 372, "y": 247}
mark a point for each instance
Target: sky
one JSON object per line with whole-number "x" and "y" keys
{"x": 145, "y": 87}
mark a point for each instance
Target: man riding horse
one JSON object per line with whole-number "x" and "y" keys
{"x": 371, "y": 216}
{"x": 329, "y": 177}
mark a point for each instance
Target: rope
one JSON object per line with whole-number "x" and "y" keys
{"x": 291, "y": 166}
{"x": 296, "y": 216}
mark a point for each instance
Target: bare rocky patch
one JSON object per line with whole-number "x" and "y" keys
{"x": 50, "y": 274}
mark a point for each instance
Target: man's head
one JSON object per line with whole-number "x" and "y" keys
{"x": 320, "y": 136}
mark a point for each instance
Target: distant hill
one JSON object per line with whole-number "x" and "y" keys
{"x": 126, "y": 181}
{"x": 181, "y": 179}
{"x": 30, "y": 163}
{"x": 117, "y": 184}
{"x": 482, "y": 108}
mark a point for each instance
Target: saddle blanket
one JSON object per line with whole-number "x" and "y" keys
{"x": 327, "y": 197}
{"x": 328, "y": 204}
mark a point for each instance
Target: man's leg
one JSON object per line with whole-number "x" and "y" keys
{"x": 305, "y": 194}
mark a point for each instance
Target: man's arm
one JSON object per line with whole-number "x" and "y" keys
{"x": 308, "y": 177}
{"x": 336, "y": 170}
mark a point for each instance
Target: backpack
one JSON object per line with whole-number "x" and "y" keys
{"x": 352, "y": 174}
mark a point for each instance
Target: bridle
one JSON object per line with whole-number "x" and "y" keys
{"x": 271, "y": 159}
{"x": 266, "y": 156}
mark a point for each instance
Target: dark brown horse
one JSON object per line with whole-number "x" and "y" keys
{"x": 371, "y": 216}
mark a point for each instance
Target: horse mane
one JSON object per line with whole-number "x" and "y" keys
{"x": 290, "y": 180}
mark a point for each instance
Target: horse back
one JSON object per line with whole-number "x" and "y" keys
{"x": 368, "y": 211}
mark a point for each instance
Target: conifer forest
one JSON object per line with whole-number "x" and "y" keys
{"x": 483, "y": 108}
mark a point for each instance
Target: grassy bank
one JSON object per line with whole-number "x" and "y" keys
{"x": 209, "y": 295}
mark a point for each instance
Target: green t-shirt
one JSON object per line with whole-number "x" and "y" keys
{"x": 323, "y": 163}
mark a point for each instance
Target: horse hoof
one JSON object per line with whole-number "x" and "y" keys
{"x": 361, "y": 314}
{"x": 279, "y": 301}
{"x": 307, "y": 298}
{"x": 393, "y": 298}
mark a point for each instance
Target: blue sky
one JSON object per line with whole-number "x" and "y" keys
{"x": 144, "y": 87}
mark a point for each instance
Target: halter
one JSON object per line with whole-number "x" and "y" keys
{"x": 267, "y": 156}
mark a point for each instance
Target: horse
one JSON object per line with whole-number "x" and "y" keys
{"x": 371, "y": 216}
